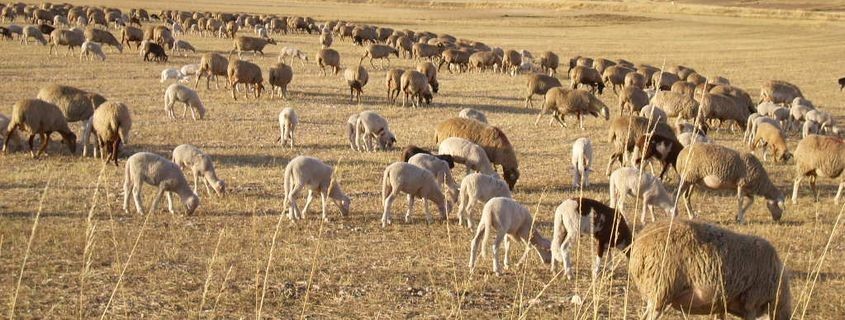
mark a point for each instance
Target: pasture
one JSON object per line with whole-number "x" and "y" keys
{"x": 236, "y": 257}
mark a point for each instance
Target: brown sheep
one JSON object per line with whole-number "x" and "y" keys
{"x": 777, "y": 91}
{"x": 426, "y": 51}
{"x": 615, "y": 76}
{"x": 248, "y": 73}
{"x": 42, "y": 118}
{"x": 587, "y": 76}
{"x": 539, "y": 84}
{"x": 722, "y": 108}
{"x": 648, "y": 72}
{"x": 379, "y": 51}
{"x": 511, "y": 61}
{"x": 415, "y": 84}
{"x": 632, "y": 99}
{"x": 549, "y": 61}
{"x": 483, "y": 60}
{"x": 663, "y": 80}
{"x": 328, "y": 57}
{"x": 635, "y": 79}
{"x": 675, "y": 104}
{"x": 212, "y": 64}
{"x": 112, "y": 123}
{"x": 356, "y": 78}
{"x": 572, "y": 101}
{"x": 625, "y": 131}
{"x": 495, "y": 143}
{"x": 104, "y": 37}
{"x": 696, "y": 79}
{"x": 454, "y": 57}
{"x": 67, "y": 38}
{"x": 683, "y": 87}
{"x": 602, "y": 64}
{"x": 393, "y": 81}
{"x": 256, "y": 45}
{"x": 131, "y": 34}
{"x": 430, "y": 71}
{"x": 280, "y": 76}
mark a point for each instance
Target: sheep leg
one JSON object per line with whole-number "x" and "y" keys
{"x": 208, "y": 186}
{"x": 744, "y": 205}
{"x": 795, "y": 189}
{"x": 500, "y": 236}
{"x": 839, "y": 192}
{"x": 45, "y": 139}
{"x": 170, "y": 202}
{"x": 308, "y": 200}
{"x": 293, "y": 212}
{"x": 652, "y": 312}
{"x": 154, "y": 205}
{"x": 388, "y": 202}
{"x": 507, "y": 245}
{"x": 127, "y": 188}
{"x": 813, "y": 187}
{"x": 86, "y": 135}
{"x": 686, "y": 193}
{"x": 410, "y": 208}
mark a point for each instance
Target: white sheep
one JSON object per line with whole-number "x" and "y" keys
{"x": 191, "y": 157}
{"x": 153, "y": 169}
{"x": 478, "y": 187}
{"x": 190, "y": 70}
{"x": 754, "y": 122}
{"x": 178, "y": 92}
{"x": 810, "y": 127}
{"x": 631, "y": 181}
{"x": 468, "y": 153}
{"x": 688, "y": 138}
{"x": 822, "y": 118}
{"x": 442, "y": 173}
{"x": 511, "y": 219}
{"x": 582, "y": 158}
{"x": 371, "y": 127}
{"x": 470, "y": 113}
{"x": 312, "y": 174}
{"x": 415, "y": 181}
{"x": 91, "y": 49}
{"x": 172, "y": 74}
{"x": 291, "y": 52}
{"x": 650, "y": 111}
{"x": 183, "y": 46}
{"x": 288, "y": 119}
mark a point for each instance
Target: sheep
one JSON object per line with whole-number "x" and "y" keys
{"x": 624, "y": 132}
{"x": 76, "y": 105}
{"x": 822, "y": 118}
{"x": 441, "y": 170}
{"x": 32, "y": 32}
{"x": 91, "y": 49}
{"x": 111, "y": 122}
{"x": 288, "y": 120}
{"x": 635, "y": 79}
{"x": 180, "y": 93}
{"x": 356, "y": 78}
{"x": 696, "y": 79}
{"x": 369, "y": 126}
{"x": 279, "y": 76}
{"x": 154, "y": 49}
{"x": 572, "y": 101}
{"x": 539, "y": 84}
{"x": 615, "y": 76}
{"x": 777, "y": 91}
{"x": 454, "y": 57}
{"x": 654, "y": 113}
{"x": 633, "y": 99}
{"x": 415, "y": 84}
{"x": 426, "y": 51}
{"x": 248, "y": 73}
{"x": 42, "y": 118}
{"x": 511, "y": 61}
{"x": 103, "y": 37}
{"x": 676, "y": 104}
{"x": 326, "y": 40}
{"x": 700, "y": 268}
{"x": 155, "y": 170}
{"x": 721, "y": 107}
{"x": 65, "y": 38}
{"x": 718, "y": 167}
{"x": 688, "y": 138}
{"x": 479, "y": 187}
{"x": 751, "y": 126}
{"x": 768, "y": 134}
{"x": 816, "y": 156}
{"x": 683, "y": 87}
{"x": 467, "y": 153}
{"x": 190, "y": 157}
{"x": 212, "y": 64}
{"x": 740, "y": 96}
{"x": 587, "y": 76}
{"x": 4, "y": 123}
{"x": 495, "y": 143}
{"x": 313, "y": 174}
{"x": 470, "y": 113}
{"x": 549, "y": 61}
{"x": 663, "y": 81}
{"x": 430, "y": 72}
{"x": 582, "y": 158}
{"x": 379, "y": 51}
{"x": 414, "y": 181}
{"x": 291, "y": 52}
{"x": 247, "y": 43}
{"x": 412, "y": 150}
{"x": 577, "y": 216}
{"x": 509, "y": 218}
{"x": 183, "y": 46}
{"x": 171, "y": 74}
{"x": 190, "y": 70}
{"x": 631, "y": 181}
{"x": 810, "y": 127}
{"x": 482, "y": 60}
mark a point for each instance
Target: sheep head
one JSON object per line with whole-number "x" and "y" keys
{"x": 70, "y": 139}
{"x": 542, "y": 246}
{"x": 191, "y": 203}
{"x": 511, "y": 176}
{"x": 775, "y": 207}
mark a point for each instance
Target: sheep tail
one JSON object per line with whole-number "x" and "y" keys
{"x": 359, "y": 126}
{"x": 288, "y": 184}
{"x": 483, "y": 230}
{"x": 386, "y": 187}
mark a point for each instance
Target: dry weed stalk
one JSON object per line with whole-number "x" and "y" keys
{"x": 14, "y": 300}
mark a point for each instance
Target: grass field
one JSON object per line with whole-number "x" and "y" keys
{"x": 85, "y": 254}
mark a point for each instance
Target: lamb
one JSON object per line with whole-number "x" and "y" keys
{"x": 587, "y": 76}
{"x": 171, "y": 74}
{"x": 288, "y": 119}
{"x": 632, "y": 99}
{"x": 415, "y": 85}
{"x": 582, "y": 158}
{"x": 676, "y": 104}
{"x": 112, "y": 122}
{"x": 311, "y": 173}
{"x": 577, "y": 216}
{"x": 819, "y": 156}
{"x": 686, "y": 139}
{"x": 777, "y": 91}
{"x": 190, "y": 157}
{"x": 76, "y": 105}
{"x": 631, "y": 181}
{"x": 798, "y": 110}
{"x": 247, "y": 43}
{"x": 91, "y": 49}
{"x": 479, "y": 187}
{"x": 291, "y": 52}
{"x": 539, "y": 84}
{"x": 103, "y": 37}
{"x": 190, "y": 70}
{"x": 412, "y": 150}
{"x": 279, "y": 77}
{"x": 721, "y": 107}
{"x": 718, "y": 167}
{"x": 441, "y": 170}
{"x": 768, "y": 134}
{"x": 212, "y": 64}
{"x": 356, "y": 78}
{"x": 624, "y": 132}
{"x": 42, "y": 118}
{"x": 822, "y": 118}
{"x": 509, "y": 218}
{"x": 155, "y": 170}
{"x": 615, "y": 76}
{"x": 180, "y": 93}
{"x": 248, "y": 73}
{"x": 430, "y": 72}
{"x": 467, "y": 153}
{"x": 369, "y": 126}
{"x": 154, "y": 49}
{"x": 32, "y": 32}
{"x": 654, "y": 113}
{"x": 470, "y": 113}
{"x": 65, "y": 38}
{"x": 417, "y": 183}
{"x": 549, "y": 61}
{"x": 379, "y": 51}
{"x": 495, "y": 143}
{"x": 183, "y": 46}
{"x": 572, "y": 101}
{"x": 700, "y": 268}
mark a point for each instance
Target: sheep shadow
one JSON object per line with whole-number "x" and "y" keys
{"x": 495, "y": 108}
{"x": 250, "y": 160}
{"x": 823, "y": 276}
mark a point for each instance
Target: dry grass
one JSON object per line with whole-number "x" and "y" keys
{"x": 362, "y": 270}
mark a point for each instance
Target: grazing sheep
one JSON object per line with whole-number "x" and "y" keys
{"x": 111, "y": 122}
{"x": 582, "y": 158}
{"x": 191, "y": 157}
{"x": 810, "y": 127}
{"x": 615, "y": 76}
{"x": 76, "y": 105}
{"x": 42, "y": 118}
{"x": 700, "y": 268}
{"x": 755, "y": 120}
{"x": 777, "y": 91}
{"x": 316, "y": 176}
{"x": 818, "y": 156}
{"x": 179, "y": 93}
{"x": 549, "y": 61}
{"x": 822, "y": 118}
{"x": 90, "y": 49}
{"x": 415, "y": 85}
{"x": 663, "y": 81}
{"x": 718, "y": 167}
{"x": 632, "y": 99}
{"x": 356, "y": 78}
{"x": 103, "y": 37}
{"x": 190, "y": 70}
{"x": 454, "y": 57}
{"x": 467, "y": 153}
{"x": 379, "y": 51}
{"x": 470, "y": 113}
{"x": 154, "y": 49}
{"x": 393, "y": 82}
{"x": 414, "y": 181}
{"x": 539, "y": 84}
{"x": 293, "y": 53}
{"x": 696, "y": 79}
{"x": 635, "y": 79}
{"x": 412, "y": 150}
{"x": 721, "y": 107}
{"x": 479, "y": 187}
{"x": 155, "y": 170}
{"x": 624, "y": 132}
{"x": 65, "y": 38}
{"x": 171, "y": 74}
{"x": 441, "y": 169}
{"x": 654, "y": 113}
{"x": 768, "y": 134}
{"x": 483, "y": 60}
{"x": 740, "y": 96}
{"x": 183, "y": 46}
{"x": 683, "y": 87}
{"x": 631, "y": 181}
{"x": 426, "y": 51}
{"x": 676, "y": 104}
{"x": 511, "y": 219}
{"x": 664, "y": 148}
{"x": 577, "y": 216}
{"x": 587, "y": 76}
{"x": 511, "y": 61}
{"x": 32, "y": 32}
{"x": 248, "y": 73}
{"x": 131, "y": 34}
{"x": 572, "y": 101}
{"x": 279, "y": 76}
{"x": 797, "y": 111}
{"x": 212, "y": 64}
{"x": 247, "y": 43}
{"x": 495, "y": 143}
{"x": 369, "y": 126}
{"x": 288, "y": 119}
{"x": 430, "y": 72}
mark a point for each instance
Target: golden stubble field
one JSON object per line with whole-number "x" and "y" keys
{"x": 215, "y": 264}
